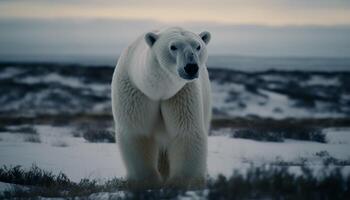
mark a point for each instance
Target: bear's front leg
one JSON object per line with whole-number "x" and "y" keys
{"x": 140, "y": 154}
{"x": 187, "y": 151}
{"x": 187, "y": 161}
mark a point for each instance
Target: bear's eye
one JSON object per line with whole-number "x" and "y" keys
{"x": 198, "y": 48}
{"x": 173, "y": 47}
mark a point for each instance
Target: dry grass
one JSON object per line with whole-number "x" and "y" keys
{"x": 32, "y": 138}
{"x": 265, "y": 182}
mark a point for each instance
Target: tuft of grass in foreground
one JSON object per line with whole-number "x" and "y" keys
{"x": 33, "y": 177}
{"x": 47, "y": 184}
{"x": 265, "y": 182}
{"x": 279, "y": 183}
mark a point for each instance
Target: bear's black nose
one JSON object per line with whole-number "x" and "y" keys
{"x": 191, "y": 69}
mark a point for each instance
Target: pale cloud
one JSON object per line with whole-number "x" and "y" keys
{"x": 256, "y": 27}
{"x": 66, "y": 37}
{"x": 268, "y": 12}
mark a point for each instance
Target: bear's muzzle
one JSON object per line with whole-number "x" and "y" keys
{"x": 191, "y": 70}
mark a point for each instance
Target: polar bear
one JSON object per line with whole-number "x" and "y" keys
{"x": 162, "y": 110}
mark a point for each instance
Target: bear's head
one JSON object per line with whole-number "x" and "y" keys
{"x": 178, "y": 51}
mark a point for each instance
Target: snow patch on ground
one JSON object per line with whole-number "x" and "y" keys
{"x": 52, "y": 78}
{"x": 4, "y": 187}
{"x": 9, "y": 72}
{"x": 321, "y": 80}
{"x": 338, "y": 136}
{"x": 80, "y": 159}
{"x": 234, "y": 99}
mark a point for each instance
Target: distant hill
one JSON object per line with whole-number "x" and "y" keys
{"x": 31, "y": 89}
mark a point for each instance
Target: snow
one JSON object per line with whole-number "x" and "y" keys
{"x": 234, "y": 99}
{"x": 72, "y": 82}
{"x": 240, "y": 153}
{"x": 9, "y": 186}
{"x": 5, "y": 187}
{"x": 9, "y": 72}
{"x": 314, "y": 80}
{"x": 338, "y": 136}
{"x": 76, "y": 90}
{"x": 262, "y": 103}
{"x": 79, "y": 159}
{"x": 274, "y": 78}
{"x": 52, "y": 78}
{"x": 273, "y": 105}
{"x": 107, "y": 195}
{"x": 321, "y": 80}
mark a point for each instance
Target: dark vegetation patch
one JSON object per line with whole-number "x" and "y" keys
{"x": 31, "y": 134}
{"x": 95, "y": 132}
{"x": 94, "y": 135}
{"x": 259, "y": 135}
{"x": 255, "y": 121}
{"x": 265, "y": 182}
{"x": 32, "y": 177}
{"x": 330, "y": 160}
{"x": 278, "y": 183}
{"x": 47, "y": 184}
{"x": 276, "y": 130}
{"x": 53, "y": 96}
{"x": 59, "y": 97}
{"x": 225, "y": 121}
{"x": 334, "y": 161}
{"x": 279, "y": 134}
{"x": 301, "y": 162}
{"x": 23, "y": 129}
{"x": 32, "y": 138}
{"x": 293, "y": 84}
{"x": 326, "y": 160}
{"x": 60, "y": 143}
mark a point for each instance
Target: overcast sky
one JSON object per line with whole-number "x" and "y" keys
{"x": 266, "y": 12}
{"x": 255, "y": 27}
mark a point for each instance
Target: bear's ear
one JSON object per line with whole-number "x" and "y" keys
{"x": 151, "y": 38}
{"x": 205, "y": 35}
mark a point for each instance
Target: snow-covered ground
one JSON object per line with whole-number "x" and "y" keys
{"x": 34, "y": 91}
{"x": 263, "y": 103}
{"x": 59, "y": 151}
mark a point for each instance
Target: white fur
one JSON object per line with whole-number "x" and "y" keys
{"x": 155, "y": 110}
